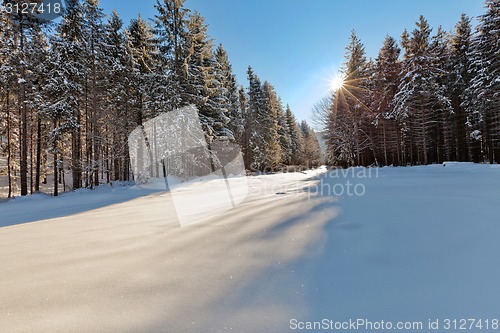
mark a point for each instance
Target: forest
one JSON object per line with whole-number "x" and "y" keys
{"x": 73, "y": 89}
{"x": 434, "y": 98}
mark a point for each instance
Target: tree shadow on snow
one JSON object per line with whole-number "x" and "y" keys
{"x": 39, "y": 207}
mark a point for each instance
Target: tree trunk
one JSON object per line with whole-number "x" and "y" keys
{"x": 24, "y": 119}
{"x": 38, "y": 153}
{"x": 9, "y": 141}
{"x": 56, "y": 167}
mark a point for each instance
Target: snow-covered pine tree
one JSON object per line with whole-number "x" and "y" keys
{"x": 170, "y": 29}
{"x": 385, "y": 85}
{"x": 444, "y": 135}
{"x": 119, "y": 123}
{"x": 23, "y": 26}
{"x": 202, "y": 88}
{"x": 247, "y": 126}
{"x": 483, "y": 98}
{"x": 460, "y": 80}
{"x": 255, "y": 152}
{"x": 348, "y": 137}
{"x": 62, "y": 93}
{"x": 420, "y": 100}
{"x": 285, "y": 140}
{"x": 9, "y": 119}
{"x": 228, "y": 92}
{"x": 141, "y": 47}
{"x": 267, "y": 121}
{"x": 38, "y": 58}
{"x": 94, "y": 93}
{"x": 67, "y": 53}
{"x": 311, "y": 151}
{"x": 296, "y": 144}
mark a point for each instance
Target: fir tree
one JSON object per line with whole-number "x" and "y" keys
{"x": 348, "y": 140}
{"x": 227, "y": 92}
{"x": 311, "y": 152}
{"x": 385, "y": 86}
{"x": 483, "y": 101}
{"x": 420, "y": 99}
{"x": 170, "y": 28}
{"x": 460, "y": 80}
{"x": 296, "y": 144}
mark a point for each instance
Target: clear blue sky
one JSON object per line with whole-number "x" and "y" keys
{"x": 297, "y": 45}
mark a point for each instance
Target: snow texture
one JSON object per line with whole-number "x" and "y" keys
{"x": 421, "y": 243}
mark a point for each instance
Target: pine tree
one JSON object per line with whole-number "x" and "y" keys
{"x": 268, "y": 122}
{"x": 284, "y": 138}
{"x": 483, "y": 101}
{"x": 117, "y": 97}
{"x": 247, "y": 118}
{"x": 420, "y": 100}
{"x": 95, "y": 63}
{"x": 460, "y": 77}
{"x": 61, "y": 92}
{"x": 444, "y": 133}
{"x": 254, "y": 153}
{"x": 141, "y": 47}
{"x": 296, "y": 144}
{"x": 8, "y": 129}
{"x": 385, "y": 85}
{"x": 227, "y": 92}
{"x": 67, "y": 63}
{"x": 22, "y": 27}
{"x": 311, "y": 152}
{"x": 348, "y": 137}
{"x": 38, "y": 57}
{"x": 202, "y": 88}
{"x": 170, "y": 28}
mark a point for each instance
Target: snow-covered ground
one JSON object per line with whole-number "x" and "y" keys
{"x": 392, "y": 244}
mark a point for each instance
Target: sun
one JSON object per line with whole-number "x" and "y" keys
{"x": 336, "y": 83}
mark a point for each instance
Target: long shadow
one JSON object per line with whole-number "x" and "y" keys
{"x": 40, "y": 207}
{"x": 280, "y": 285}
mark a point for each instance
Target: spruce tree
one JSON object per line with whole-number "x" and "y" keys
{"x": 311, "y": 152}
{"x": 296, "y": 144}
{"x": 227, "y": 93}
{"x": 170, "y": 28}
{"x": 348, "y": 136}
{"x": 483, "y": 102}
{"x": 420, "y": 100}
{"x": 460, "y": 79}
{"x": 204, "y": 89}
{"x": 385, "y": 86}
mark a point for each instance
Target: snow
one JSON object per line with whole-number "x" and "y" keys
{"x": 420, "y": 243}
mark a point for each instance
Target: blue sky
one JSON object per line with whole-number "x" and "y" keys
{"x": 298, "y": 45}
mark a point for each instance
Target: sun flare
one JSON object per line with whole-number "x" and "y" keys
{"x": 336, "y": 83}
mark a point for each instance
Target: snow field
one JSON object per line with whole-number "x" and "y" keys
{"x": 421, "y": 243}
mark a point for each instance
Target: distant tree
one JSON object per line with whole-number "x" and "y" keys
{"x": 296, "y": 142}
{"x": 311, "y": 151}
{"x": 284, "y": 137}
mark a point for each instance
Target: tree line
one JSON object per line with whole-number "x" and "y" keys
{"x": 440, "y": 101}
{"x": 71, "y": 92}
